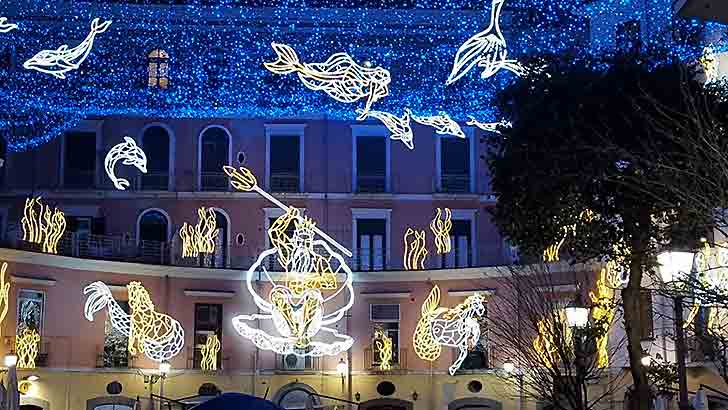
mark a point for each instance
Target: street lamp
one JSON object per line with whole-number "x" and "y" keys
{"x": 674, "y": 266}
{"x": 341, "y": 369}
{"x": 577, "y": 315}
{"x": 164, "y": 368}
{"x": 509, "y": 367}
{"x": 11, "y": 360}
{"x": 646, "y": 359}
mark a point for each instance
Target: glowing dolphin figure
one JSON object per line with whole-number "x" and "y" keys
{"x": 131, "y": 154}
{"x": 62, "y": 60}
{"x": 489, "y": 126}
{"x": 339, "y": 76}
{"x": 399, "y": 126}
{"x": 487, "y": 49}
{"x": 442, "y": 123}
{"x": 6, "y": 27}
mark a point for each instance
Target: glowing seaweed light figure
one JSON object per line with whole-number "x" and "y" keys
{"x": 441, "y": 227}
{"x": 26, "y": 348}
{"x": 487, "y": 49}
{"x": 383, "y": 343}
{"x": 339, "y": 76}
{"x": 603, "y": 314}
{"x": 62, "y": 60}
{"x": 400, "y": 127}
{"x": 42, "y": 227}
{"x": 209, "y": 353}
{"x": 156, "y": 335}
{"x": 553, "y": 334}
{"x": 4, "y": 293}
{"x": 297, "y": 307}
{"x": 456, "y": 327}
{"x": 5, "y": 26}
{"x": 442, "y": 123}
{"x": 131, "y": 154}
{"x": 200, "y": 238}
{"x": 415, "y": 249}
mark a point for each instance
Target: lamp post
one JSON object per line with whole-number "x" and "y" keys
{"x": 342, "y": 369}
{"x": 510, "y": 368}
{"x": 164, "y": 368}
{"x": 673, "y": 266}
{"x": 577, "y": 317}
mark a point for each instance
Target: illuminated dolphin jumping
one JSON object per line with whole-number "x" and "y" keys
{"x": 131, "y": 154}
{"x": 442, "y": 123}
{"x": 399, "y": 126}
{"x": 62, "y": 60}
{"x": 487, "y": 49}
{"x": 6, "y": 27}
{"x": 339, "y": 76}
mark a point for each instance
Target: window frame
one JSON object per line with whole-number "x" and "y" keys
{"x": 42, "y": 313}
{"x": 370, "y": 131}
{"x": 286, "y": 130}
{"x": 219, "y": 334}
{"x": 158, "y": 61}
{"x": 86, "y": 126}
{"x": 372, "y": 213}
{"x": 374, "y": 324}
{"x": 200, "y": 150}
{"x": 470, "y": 136}
{"x": 171, "y": 150}
{"x": 468, "y": 215}
{"x": 139, "y": 221}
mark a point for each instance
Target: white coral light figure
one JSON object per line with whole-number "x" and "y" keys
{"x": 339, "y": 76}
{"x": 131, "y": 154}
{"x": 62, "y": 60}
{"x": 399, "y": 126}
{"x": 487, "y": 49}
{"x": 158, "y": 336}
{"x": 5, "y": 26}
{"x": 442, "y": 123}
{"x": 297, "y": 307}
{"x": 456, "y": 327}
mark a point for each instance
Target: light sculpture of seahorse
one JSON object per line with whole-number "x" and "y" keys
{"x": 340, "y": 76}
{"x": 456, "y": 327}
{"x": 156, "y": 335}
{"x": 442, "y": 123}
{"x": 487, "y": 50}
{"x": 131, "y": 154}
{"x": 400, "y": 127}
{"x": 5, "y": 26}
{"x": 209, "y": 353}
{"x": 63, "y": 59}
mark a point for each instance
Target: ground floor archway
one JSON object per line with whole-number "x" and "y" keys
{"x": 386, "y": 404}
{"x": 475, "y": 403}
{"x": 295, "y": 396}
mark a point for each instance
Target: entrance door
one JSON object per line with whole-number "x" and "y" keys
{"x": 386, "y": 404}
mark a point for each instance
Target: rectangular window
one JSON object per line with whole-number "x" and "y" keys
{"x": 371, "y": 167}
{"x": 116, "y": 344}
{"x": 454, "y": 164}
{"x": 646, "y": 315}
{"x": 385, "y": 317}
{"x": 79, "y": 160}
{"x": 460, "y": 255}
{"x": 285, "y": 163}
{"x": 371, "y": 244}
{"x": 31, "y": 310}
{"x": 208, "y": 321}
{"x": 629, "y": 37}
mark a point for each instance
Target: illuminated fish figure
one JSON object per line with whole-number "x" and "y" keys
{"x": 399, "y": 126}
{"x": 131, "y": 154}
{"x": 6, "y": 27}
{"x": 62, "y": 60}
{"x": 487, "y": 49}
{"x": 489, "y": 126}
{"x": 339, "y": 76}
{"x": 442, "y": 123}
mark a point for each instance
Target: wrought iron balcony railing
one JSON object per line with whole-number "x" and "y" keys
{"x": 214, "y": 181}
{"x": 455, "y": 183}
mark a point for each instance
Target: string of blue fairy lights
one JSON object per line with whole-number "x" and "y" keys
{"x": 217, "y": 48}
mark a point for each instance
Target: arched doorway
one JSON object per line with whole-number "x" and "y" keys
{"x": 294, "y": 396}
{"x": 111, "y": 403}
{"x": 156, "y": 146}
{"x": 386, "y": 404}
{"x": 475, "y": 403}
{"x": 152, "y": 235}
{"x": 214, "y": 154}
{"x": 33, "y": 403}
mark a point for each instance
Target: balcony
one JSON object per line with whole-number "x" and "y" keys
{"x": 293, "y": 363}
{"x": 79, "y": 179}
{"x": 399, "y": 361}
{"x": 214, "y": 181}
{"x": 284, "y": 182}
{"x": 370, "y": 260}
{"x": 110, "y": 358}
{"x": 194, "y": 358}
{"x": 53, "y": 351}
{"x": 371, "y": 184}
{"x": 455, "y": 183}
{"x": 154, "y": 181}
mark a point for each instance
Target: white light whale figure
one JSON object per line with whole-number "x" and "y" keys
{"x": 160, "y": 337}
{"x": 131, "y": 154}
{"x": 399, "y": 126}
{"x": 6, "y": 27}
{"x": 489, "y": 126}
{"x": 442, "y": 123}
{"x": 62, "y": 60}
{"x": 339, "y": 76}
{"x": 487, "y": 49}
{"x": 297, "y": 305}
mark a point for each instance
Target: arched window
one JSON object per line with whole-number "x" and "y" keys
{"x": 153, "y": 226}
{"x": 156, "y": 146}
{"x": 221, "y": 248}
{"x": 214, "y": 154}
{"x": 158, "y": 69}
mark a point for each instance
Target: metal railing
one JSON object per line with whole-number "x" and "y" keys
{"x": 293, "y": 363}
{"x": 79, "y": 179}
{"x": 284, "y": 182}
{"x": 113, "y": 359}
{"x": 214, "y": 181}
{"x": 53, "y": 351}
{"x": 455, "y": 183}
{"x": 154, "y": 181}
{"x": 194, "y": 358}
{"x": 371, "y": 184}
{"x": 399, "y": 359}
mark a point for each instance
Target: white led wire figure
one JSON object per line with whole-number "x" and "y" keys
{"x": 158, "y": 336}
{"x": 399, "y": 127}
{"x": 489, "y": 126}
{"x": 487, "y": 49}
{"x": 131, "y": 154}
{"x": 5, "y": 26}
{"x": 63, "y": 59}
{"x": 456, "y": 327}
{"x": 339, "y": 76}
{"x": 442, "y": 123}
